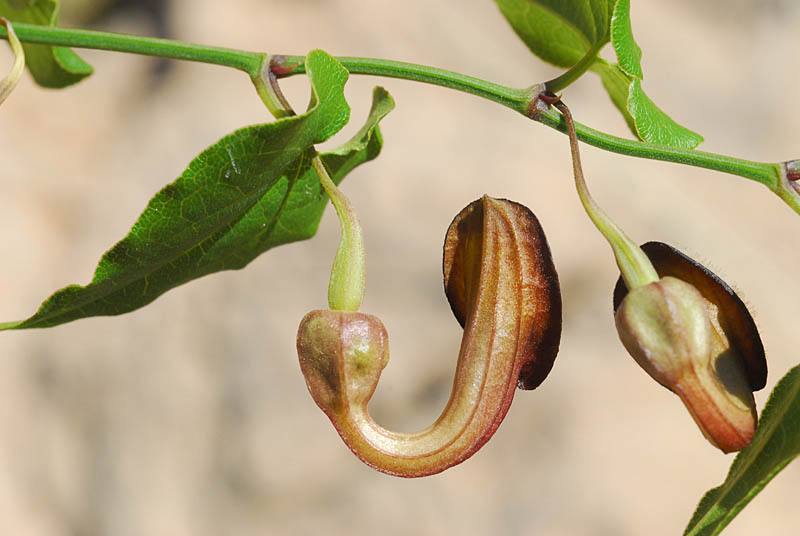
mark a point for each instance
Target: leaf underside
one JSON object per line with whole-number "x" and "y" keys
{"x": 251, "y": 191}
{"x": 51, "y": 67}
{"x": 775, "y": 445}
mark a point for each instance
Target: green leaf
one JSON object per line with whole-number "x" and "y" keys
{"x": 251, "y": 191}
{"x": 647, "y": 120}
{"x": 655, "y": 126}
{"x": 644, "y": 118}
{"x": 776, "y": 443}
{"x": 53, "y": 67}
{"x": 629, "y": 55}
{"x": 560, "y": 32}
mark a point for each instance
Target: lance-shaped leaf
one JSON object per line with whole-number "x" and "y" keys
{"x": 53, "y": 67}
{"x": 775, "y": 445}
{"x": 251, "y": 191}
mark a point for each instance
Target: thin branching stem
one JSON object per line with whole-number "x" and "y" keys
{"x": 522, "y": 100}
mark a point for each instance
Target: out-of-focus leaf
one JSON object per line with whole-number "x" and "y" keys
{"x": 53, "y": 67}
{"x": 560, "y": 32}
{"x": 251, "y": 191}
{"x": 775, "y": 445}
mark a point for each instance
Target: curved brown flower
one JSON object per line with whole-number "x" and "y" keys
{"x": 503, "y": 289}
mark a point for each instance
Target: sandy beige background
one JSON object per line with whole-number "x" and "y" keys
{"x": 190, "y": 417}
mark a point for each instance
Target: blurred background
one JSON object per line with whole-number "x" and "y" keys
{"x": 191, "y": 417}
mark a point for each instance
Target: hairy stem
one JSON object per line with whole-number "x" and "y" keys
{"x": 520, "y": 100}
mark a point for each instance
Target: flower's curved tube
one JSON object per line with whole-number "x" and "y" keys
{"x": 503, "y": 287}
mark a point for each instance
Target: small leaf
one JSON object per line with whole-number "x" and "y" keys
{"x": 644, "y": 118}
{"x": 648, "y": 121}
{"x": 251, "y": 191}
{"x": 776, "y": 443}
{"x": 560, "y": 32}
{"x": 52, "y": 67}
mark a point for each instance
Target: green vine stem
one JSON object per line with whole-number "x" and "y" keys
{"x": 524, "y": 101}
{"x": 766, "y": 173}
{"x": 249, "y": 62}
{"x": 517, "y": 99}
